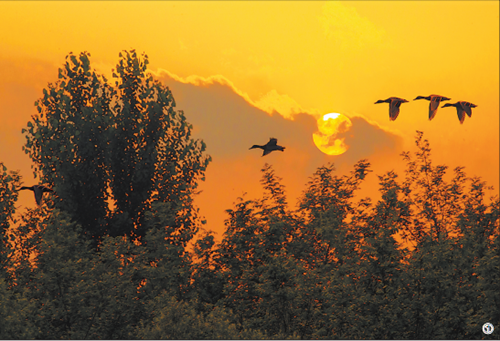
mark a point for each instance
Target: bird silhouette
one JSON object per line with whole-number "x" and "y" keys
{"x": 394, "y": 104}
{"x": 38, "y": 190}
{"x": 434, "y": 104}
{"x": 462, "y": 109}
{"x": 269, "y": 147}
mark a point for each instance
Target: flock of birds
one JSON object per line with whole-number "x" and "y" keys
{"x": 394, "y": 104}
{"x": 462, "y": 106}
{"x": 271, "y": 146}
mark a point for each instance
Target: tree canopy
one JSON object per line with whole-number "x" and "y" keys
{"x": 94, "y": 142}
{"x": 107, "y": 257}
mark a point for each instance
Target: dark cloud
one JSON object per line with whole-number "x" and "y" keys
{"x": 230, "y": 125}
{"x": 366, "y": 140}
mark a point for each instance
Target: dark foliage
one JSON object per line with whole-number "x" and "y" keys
{"x": 420, "y": 263}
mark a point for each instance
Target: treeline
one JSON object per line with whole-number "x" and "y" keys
{"x": 80, "y": 268}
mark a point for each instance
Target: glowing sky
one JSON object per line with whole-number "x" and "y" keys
{"x": 245, "y": 71}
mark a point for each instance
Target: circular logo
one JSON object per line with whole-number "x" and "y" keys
{"x": 488, "y": 328}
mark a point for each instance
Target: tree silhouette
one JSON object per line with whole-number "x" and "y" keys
{"x": 9, "y": 183}
{"x": 421, "y": 262}
{"x": 93, "y": 141}
{"x": 350, "y": 275}
{"x": 69, "y": 140}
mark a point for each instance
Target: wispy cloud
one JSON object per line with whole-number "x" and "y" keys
{"x": 343, "y": 24}
{"x": 283, "y": 104}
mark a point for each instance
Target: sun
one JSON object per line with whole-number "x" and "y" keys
{"x": 329, "y": 126}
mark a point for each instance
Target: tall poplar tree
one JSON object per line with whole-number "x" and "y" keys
{"x": 97, "y": 143}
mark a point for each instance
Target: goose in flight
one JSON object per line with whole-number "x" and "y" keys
{"x": 394, "y": 104}
{"x": 462, "y": 109}
{"x": 38, "y": 190}
{"x": 269, "y": 147}
{"x": 434, "y": 105}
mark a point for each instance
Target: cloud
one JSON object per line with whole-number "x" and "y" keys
{"x": 202, "y": 81}
{"x": 230, "y": 122}
{"x": 343, "y": 24}
{"x": 366, "y": 139}
{"x": 283, "y": 104}
{"x": 272, "y": 102}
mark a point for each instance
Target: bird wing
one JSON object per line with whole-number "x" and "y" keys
{"x": 272, "y": 141}
{"x": 393, "y": 112}
{"x": 394, "y": 108}
{"x": 433, "y": 106}
{"x": 38, "y": 194}
{"x": 420, "y": 97}
{"x": 460, "y": 114}
{"x": 45, "y": 189}
{"x": 266, "y": 151}
{"x": 466, "y": 106}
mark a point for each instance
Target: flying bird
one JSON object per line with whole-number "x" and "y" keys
{"x": 38, "y": 190}
{"x": 434, "y": 105}
{"x": 462, "y": 109}
{"x": 269, "y": 147}
{"x": 394, "y": 104}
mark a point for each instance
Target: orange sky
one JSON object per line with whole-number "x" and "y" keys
{"x": 231, "y": 64}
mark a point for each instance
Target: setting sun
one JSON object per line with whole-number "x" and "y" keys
{"x": 327, "y": 139}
